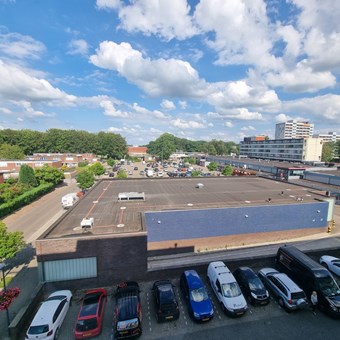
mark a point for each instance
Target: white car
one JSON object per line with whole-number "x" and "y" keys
{"x": 50, "y": 316}
{"x": 331, "y": 263}
{"x": 226, "y": 289}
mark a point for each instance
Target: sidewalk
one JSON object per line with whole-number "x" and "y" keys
{"x": 25, "y": 277}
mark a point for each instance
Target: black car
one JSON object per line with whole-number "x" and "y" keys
{"x": 127, "y": 322}
{"x": 251, "y": 286}
{"x": 166, "y": 303}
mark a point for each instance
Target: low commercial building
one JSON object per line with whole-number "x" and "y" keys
{"x": 174, "y": 216}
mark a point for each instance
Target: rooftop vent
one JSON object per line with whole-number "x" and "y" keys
{"x": 131, "y": 196}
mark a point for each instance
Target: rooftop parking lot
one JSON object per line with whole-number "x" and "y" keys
{"x": 114, "y": 216}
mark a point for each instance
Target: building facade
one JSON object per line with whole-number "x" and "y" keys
{"x": 330, "y": 137}
{"x": 293, "y": 129}
{"x": 292, "y": 150}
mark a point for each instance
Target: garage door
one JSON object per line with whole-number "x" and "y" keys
{"x": 73, "y": 269}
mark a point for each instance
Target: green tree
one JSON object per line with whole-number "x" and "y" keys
{"x": 83, "y": 164}
{"x": 195, "y": 173}
{"x": 26, "y": 176}
{"x": 212, "y": 166}
{"x": 110, "y": 145}
{"x": 97, "y": 169}
{"x": 163, "y": 146}
{"x": 211, "y": 150}
{"x": 121, "y": 174}
{"x": 111, "y": 162}
{"x": 10, "y": 242}
{"x": 49, "y": 174}
{"x": 8, "y": 151}
{"x": 85, "y": 179}
{"x": 328, "y": 151}
{"x": 227, "y": 170}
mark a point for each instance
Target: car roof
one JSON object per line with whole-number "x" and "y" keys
{"x": 223, "y": 272}
{"x": 288, "y": 282}
{"x": 267, "y": 271}
{"x": 330, "y": 258}
{"x": 248, "y": 272}
{"x": 193, "y": 279}
{"x": 45, "y": 313}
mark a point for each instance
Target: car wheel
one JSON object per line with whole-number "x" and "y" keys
{"x": 223, "y": 308}
{"x": 325, "y": 265}
{"x": 56, "y": 334}
{"x": 281, "y": 303}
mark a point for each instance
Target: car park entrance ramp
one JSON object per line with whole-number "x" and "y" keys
{"x": 131, "y": 196}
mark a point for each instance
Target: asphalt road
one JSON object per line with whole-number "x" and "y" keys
{"x": 35, "y": 218}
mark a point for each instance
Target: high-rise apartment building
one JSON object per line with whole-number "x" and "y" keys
{"x": 293, "y": 129}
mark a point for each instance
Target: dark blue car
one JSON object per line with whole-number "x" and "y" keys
{"x": 196, "y": 295}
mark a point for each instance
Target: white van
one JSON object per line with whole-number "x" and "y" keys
{"x": 149, "y": 173}
{"x": 69, "y": 200}
{"x": 226, "y": 289}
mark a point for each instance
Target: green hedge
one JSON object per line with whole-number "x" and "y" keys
{"x": 24, "y": 199}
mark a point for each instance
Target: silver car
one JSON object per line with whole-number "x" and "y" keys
{"x": 289, "y": 295}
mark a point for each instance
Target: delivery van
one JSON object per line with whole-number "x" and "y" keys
{"x": 311, "y": 276}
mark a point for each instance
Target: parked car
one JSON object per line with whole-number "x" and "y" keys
{"x": 160, "y": 174}
{"x": 165, "y": 299}
{"x": 311, "y": 276}
{"x": 142, "y": 172}
{"x": 226, "y": 289}
{"x": 290, "y": 296}
{"x": 127, "y": 321}
{"x": 251, "y": 286}
{"x": 90, "y": 317}
{"x": 194, "y": 291}
{"x": 111, "y": 174}
{"x": 50, "y": 316}
{"x": 331, "y": 263}
{"x": 135, "y": 168}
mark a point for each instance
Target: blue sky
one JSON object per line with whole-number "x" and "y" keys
{"x": 201, "y": 70}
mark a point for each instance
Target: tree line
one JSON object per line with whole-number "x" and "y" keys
{"x": 62, "y": 141}
{"x": 167, "y": 144}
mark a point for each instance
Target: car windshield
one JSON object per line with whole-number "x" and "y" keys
{"x": 328, "y": 286}
{"x": 86, "y": 325}
{"x": 38, "y": 329}
{"x": 231, "y": 289}
{"x": 255, "y": 283}
{"x": 336, "y": 263}
{"x": 127, "y": 324}
{"x": 198, "y": 295}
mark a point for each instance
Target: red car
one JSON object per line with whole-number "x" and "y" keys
{"x": 90, "y": 317}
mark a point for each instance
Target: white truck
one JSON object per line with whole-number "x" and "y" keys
{"x": 69, "y": 200}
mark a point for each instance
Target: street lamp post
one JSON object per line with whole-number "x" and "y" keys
{"x": 2, "y": 268}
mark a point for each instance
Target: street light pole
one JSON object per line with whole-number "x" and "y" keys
{"x": 2, "y": 268}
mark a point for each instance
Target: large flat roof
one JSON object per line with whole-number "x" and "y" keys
{"x": 114, "y": 216}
